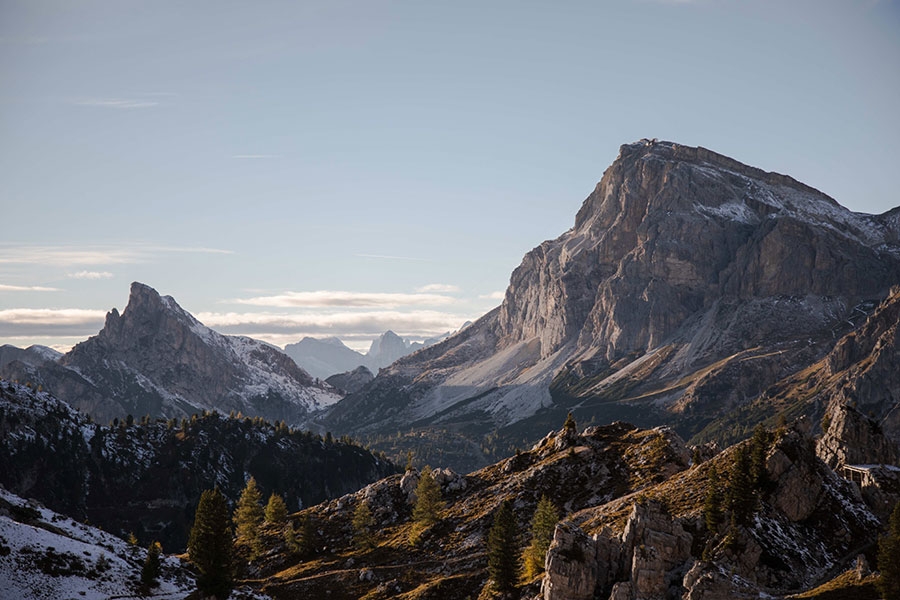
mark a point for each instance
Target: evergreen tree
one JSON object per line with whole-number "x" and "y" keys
{"x": 759, "y": 450}
{"x": 712, "y": 506}
{"x": 742, "y": 498}
{"x": 888, "y": 583}
{"x": 503, "y": 555}
{"x": 569, "y": 425}
{"x": 150, "y": 570}
{"x": 542, "y": 526}
{"x": 427, "y": 510}
{"x": 362, "y": 526}
{"x": 248, "y": 516}
{"x": 209, "y": 545}
{"x": 302, "y": 540}
{"x": 276, "y": 510}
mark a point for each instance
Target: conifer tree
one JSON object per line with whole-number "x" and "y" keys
{"x": 759, "y": 449}
{"x": 888, "y": 584}
{"x": 712, "y": 505}
{"x": 503, "y": 555}
{"x": 362, "y": 526}
{"x": 542, "y": 526}
{"x": 150, "y": 570}
{"x": 569, "y": 425}
{"x": 276, "y": 510}
{"x": 427, "y": 510}
{"x": 209, "y": 545}
{"x": 248, "y": 516}
{"x": 302, "y": 539}
{"x": 742, "y": 498}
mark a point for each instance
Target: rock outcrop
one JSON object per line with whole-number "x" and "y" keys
{"x": 689, "y": 285}
{"x": 156, "y": 359}
{"x": 806, "y": 521}
{"x": 351, "y": 381}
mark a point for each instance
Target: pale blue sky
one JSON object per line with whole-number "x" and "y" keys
{"x": 247, "y": 157}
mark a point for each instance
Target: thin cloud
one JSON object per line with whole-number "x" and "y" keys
{"x": 255, "y": 156}
{"x": 325, "y": 299}
{"x": 50, "y": 322}
{"x": 90, "y": 275}
{"x": 440, "y": 288}
{"x": 498, "y": 295}
{"x": 26, "y": 288}
{"x": 389, "y": 257}
{"x": 116, "y": 103}
{"x": 422, "y": 323}
{"x": 75, "y": 256}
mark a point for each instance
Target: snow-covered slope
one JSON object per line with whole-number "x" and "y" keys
{"x": 46, "y": 556}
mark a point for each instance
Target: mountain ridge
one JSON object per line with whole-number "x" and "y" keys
{"x": 155, "y": 358}
{"x": 686, "y": 272}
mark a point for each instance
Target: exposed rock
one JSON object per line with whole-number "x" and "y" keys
{"x": 156, "y": 359}
{"x": 854, "y": 439}
{"x": 705, "y": 581}
{"x": 408, "y": 484}
{"x": 689, "y": 286}
{"x": 658, "y": 548}
{"x": 351, "y": 381}
{"x": 572, "y": 567}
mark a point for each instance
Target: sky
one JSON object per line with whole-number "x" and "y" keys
{"x": 336, "y": 168}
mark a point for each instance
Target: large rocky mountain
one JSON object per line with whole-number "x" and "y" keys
{"x": 689, "y": 285}
{"x": 156, "y": 359}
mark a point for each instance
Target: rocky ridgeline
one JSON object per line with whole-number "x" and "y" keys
{"x": 690, "y": 287}
{"x": 156, "y": 359}
{"x": 574, "y": 470}
{"x": 807, "y": 525}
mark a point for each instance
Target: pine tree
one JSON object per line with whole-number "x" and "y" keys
{"x": 248, "y": 516}
{"x": 209, "y": 545}
{"x": 759, "y": 449}
{"x": 503, "y": 555}
{"x": 276, "y": 510}
{"x": 712, "y": 506}
{"x": 742, "y": 498}
{"x": 569, "y": 425}
{"x": 305, "y": 537}
{"x": 150, "y": 571}
{"x": 427, "y": 510}
{"x": 543, "y": 525}
{"x": 362, "y": 526}
{"x": 888, "y": 583}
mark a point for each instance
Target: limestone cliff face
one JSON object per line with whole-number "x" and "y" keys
{"x": 689, "y": 284}
{"x": 157, "y": 359}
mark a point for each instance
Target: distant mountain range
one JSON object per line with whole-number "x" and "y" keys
{"x": 324, "y": 357}
{"x": 690, "y": 286}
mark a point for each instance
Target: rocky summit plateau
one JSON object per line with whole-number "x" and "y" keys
{"x": 690, "y": 286}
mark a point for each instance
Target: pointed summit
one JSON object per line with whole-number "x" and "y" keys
{"x": 155, "y": 358}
